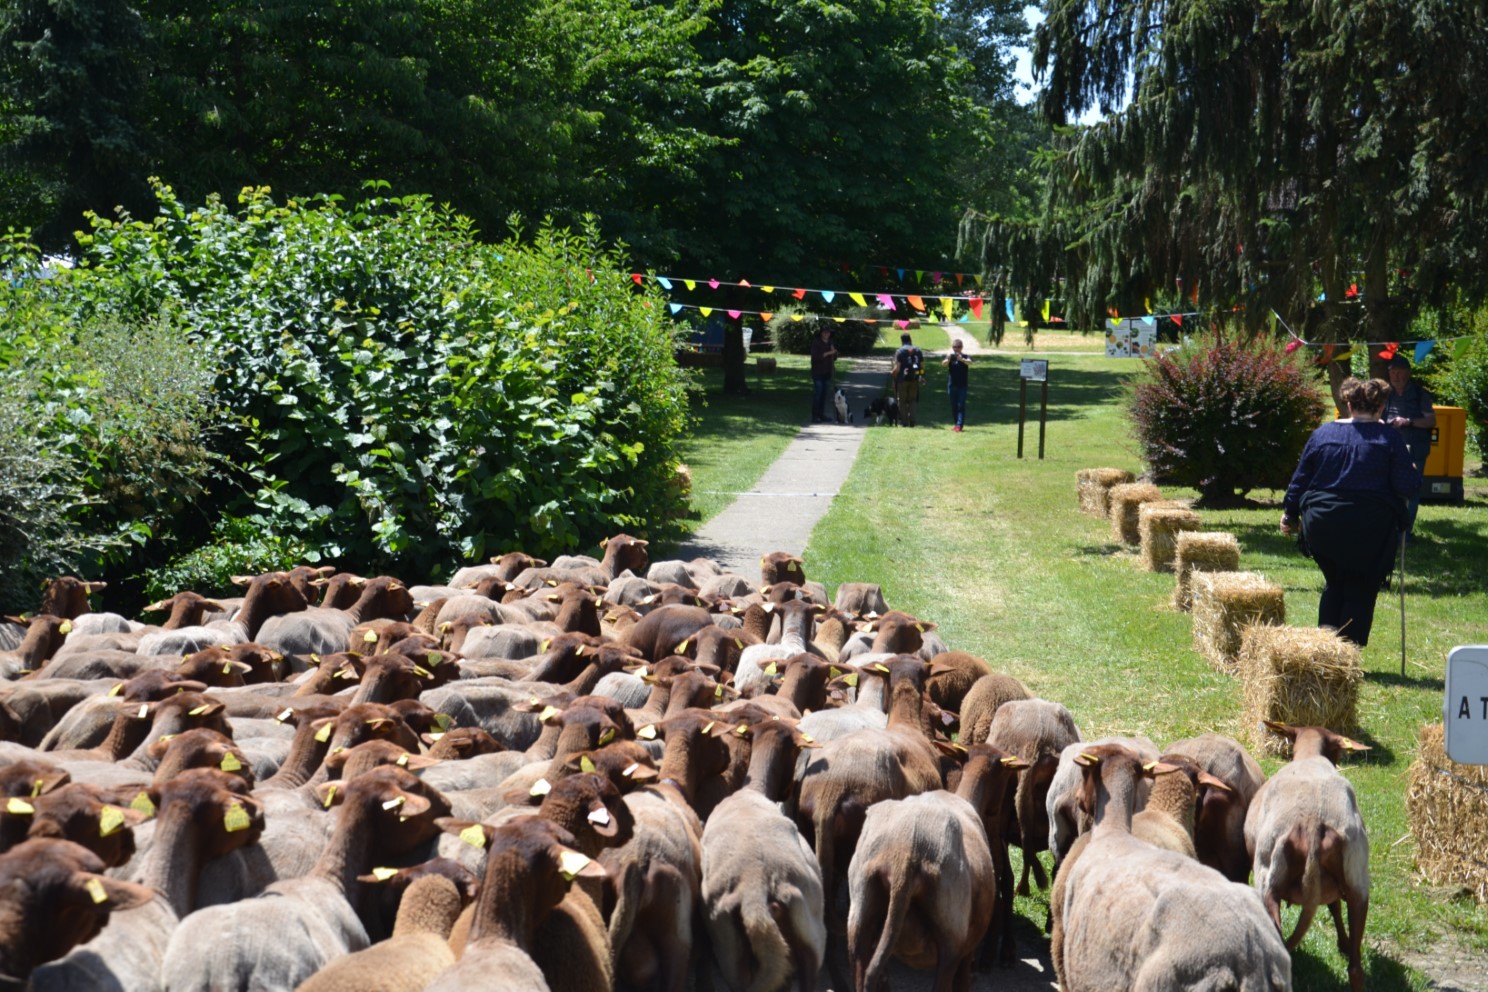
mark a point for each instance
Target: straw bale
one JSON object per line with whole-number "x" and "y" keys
{"x": 1303, "y": 676}
{"x": 1159, "y": 527}
{"x": 1125, "y": 500}
{"x": 1093, "y": 486}
{"x": 1201, "y": 551}
{"x": 1225, "y": 602}
{"x": 1447, "y": 806}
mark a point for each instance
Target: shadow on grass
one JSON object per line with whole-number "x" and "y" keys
{"x": 1407, "y": 681}
{"x": 1099, "y": 550}
{"x": 1378, "y": 753}
{"x": 1072, "y": 393}
{"x": 1326, "y": 974}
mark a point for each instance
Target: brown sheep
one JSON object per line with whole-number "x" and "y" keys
{"x": 1309, "y": 841}
{"x": 1219, "y": 830}
{"x": 412, "y": 957}
{"x": 1035, "y": 730}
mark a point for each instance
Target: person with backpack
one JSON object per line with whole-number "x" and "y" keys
{"x": 909, "y": 369}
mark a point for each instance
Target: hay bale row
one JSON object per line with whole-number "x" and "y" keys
{"x": 1158, "y": 527}
{"x": 1126, "y": 502}
{"x": 1447, "y": 807}
{"x": 1226, "y": 602}
{"x": 1201, "y": 551}
{"x": 1303, "y": 676}
{"x": 1093, "y": 486}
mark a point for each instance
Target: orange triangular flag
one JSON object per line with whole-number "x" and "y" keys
{"x": 916, "y": 302}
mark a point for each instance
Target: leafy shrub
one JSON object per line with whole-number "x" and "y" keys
{"x": 1222, "y": 416}
{"x": 238, "y": 546}
{"x": 855, "y": 335}
{"x": 1463, "y": 381}
{"x": 408, "y": 395}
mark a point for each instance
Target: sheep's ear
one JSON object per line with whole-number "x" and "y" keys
{"x": 600, "y": 820}
{"x": 111, "y": 894}
{"x": 1156, "y": 768}
{"x": 637, "y": 772}
{"x": 241, "y": 580}
{"x": 1087, "y": 760}
{"x": 1214, "y": 783}
{"x": 950, "y": 749}
{"x": 477, "y": 835}
{"x": 159, "y": 607}
{"x": 330, "y": 793}
{"x": 1014, "y": 762}
{"x": 572, "y": 864}
{"x": 1277, "y": 726}
{"x": 1349, "y": 744}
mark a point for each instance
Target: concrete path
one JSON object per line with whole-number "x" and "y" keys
{"x": 782, "y": 509}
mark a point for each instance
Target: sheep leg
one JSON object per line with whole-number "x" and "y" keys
{"x": 1358, "y": 909}
{"x": 1303, "y": 922}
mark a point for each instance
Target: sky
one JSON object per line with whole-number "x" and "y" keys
{"x": 1023, "y": 70}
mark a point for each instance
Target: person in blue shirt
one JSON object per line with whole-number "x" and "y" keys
{"x": 1411, "y": 410}
{"x": 958, "y": 373}
{"x": 1347, "y": 497}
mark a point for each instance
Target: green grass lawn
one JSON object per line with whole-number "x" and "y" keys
{"x": 994, "y": 550}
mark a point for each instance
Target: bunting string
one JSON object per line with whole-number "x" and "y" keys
{"x": 1334, "y": 351}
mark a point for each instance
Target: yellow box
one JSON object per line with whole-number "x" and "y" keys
{"x": 1443, "y": 475}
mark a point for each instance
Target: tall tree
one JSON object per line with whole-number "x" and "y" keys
{"x": 1256, "y": 154}
{"x": 71, "y": 138}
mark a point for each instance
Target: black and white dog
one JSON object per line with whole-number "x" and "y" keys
{"x": 881, "y": 409}
{"x": 839, "y": 401}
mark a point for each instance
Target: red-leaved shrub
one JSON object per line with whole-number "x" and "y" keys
{"x": 1224, "y": 416}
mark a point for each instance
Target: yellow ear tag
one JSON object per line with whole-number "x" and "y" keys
{"x": 474, "y": 836}
{"x": 117, "y": 690}
{"x": 36, "y": 787}
{"x": 682, "y": 648}
{"x": 422, "y": 672}
{"x": 324, "y": 733}
{"x": 548, "y": 711}
{"x": 383, "y": 874}
{"x": 199, "y": 710}
{"x": 110, "y": 819}
{"x": 709, "y": 728}
{"x": 640, "y": 673}
{"x": 393, "y": 803}
{"x": 771, "y": 668}
{"x": 540, "y": 788}
{"x": 230, "y": 763}
{"x": 236, "y": 819}
{"x": 852, "y": 679}
{"x": 543, "y": 647}
{"x": 345, "y": 673}
{"x": 742, "y": 730}
{"x": 369, "y": 638}
{"x": 631, "y": 769}
{"x": 807, "y": 738}
{"x": 607, "y": 736}
{"x": 433, "y": 658}
{"x": 143, "y": 804}
{"x": 718, "y": 692}
{"x": 65, "y": 627}
{"x": 443, "y": 721}
{"x": 402, "y": 761}
{"x": 330, "y": 796}
{"x": 647, "y": 733}
{"x": 288, "y": 712}
{"x": 314, "y": 659}
{"x": 227, "y": 668}
{"x": 879, "y": 666}
{"x": 738, "y": 644}
{"x": 570, "y": 863}
{"x": 19, "y": 807}
{"x": 96, "y": 891}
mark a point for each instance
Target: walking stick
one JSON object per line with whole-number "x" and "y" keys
{"x": 1401, "y": 584}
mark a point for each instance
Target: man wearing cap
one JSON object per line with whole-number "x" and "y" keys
{"x": 823, "y": 364}
{"x": 1409, "y": 408}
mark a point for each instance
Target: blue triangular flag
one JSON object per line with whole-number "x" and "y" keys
{"x": 1423, "y": 348}
{"x": 1149, "y": 321}
{"x": 827, "y": 295}
{"x": 665, "y": 282}
{"x": 901, "y": 274}
{"x": 675, "y": 307}
{"x": 1009, "y": 303}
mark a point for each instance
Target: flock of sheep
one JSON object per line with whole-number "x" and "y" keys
{"x": 608, "y": 774}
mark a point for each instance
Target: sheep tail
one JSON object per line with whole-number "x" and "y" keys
{"x": 762, "y": 932}
{"x": 899, "y": 899}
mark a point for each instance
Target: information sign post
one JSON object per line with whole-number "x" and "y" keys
{"x": 1465, "y": 710}
{"x": 1033, "y": 370}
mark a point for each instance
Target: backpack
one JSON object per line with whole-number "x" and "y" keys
{"x": 911, "y": 364}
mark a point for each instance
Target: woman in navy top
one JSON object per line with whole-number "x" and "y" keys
{"x": 1348, "y": 498}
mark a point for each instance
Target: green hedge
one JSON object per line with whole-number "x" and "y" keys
{"x": 404, "y": 395}
{"x": 856, "y": 334}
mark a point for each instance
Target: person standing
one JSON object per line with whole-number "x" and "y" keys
{"x": 1347, "y": 497}
{"x": 958, "y": 372}
{"x": 909, "y": 366}
{"x": 823, "y": 365}
{"x": 1411, "y": 410}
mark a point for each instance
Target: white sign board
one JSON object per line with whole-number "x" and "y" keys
{"x": 1034, "y": 369}
{"x": 1466, "y": 707}
{"x": 1135, "y": 337}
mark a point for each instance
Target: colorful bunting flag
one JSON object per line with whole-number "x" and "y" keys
{"x": 705, "y": 311}
{"x": 1007, "y": 305}
{"x": 690, "y": 283}
{"x": 745, "y": 284}
{"x": 799, "y": 294}
{"x": 735, "y": 314}
{"x": 665, "y": 282}
{"x": 858, "y": 299}
{"x": 767, "y": 317}
{"x": 1423, "y": 348}
{"x": 636, "y": 277}
{"x": 1045, "y": 310}
{"x": 945, "y": 306}
{"x": 828, "y": 295}
{"x": 797, "y": 316}
{"x": 713, "y": 283}
{"x": 886, "y": 301}
{"x": 916, "y": 302}
{"x": 675, "y": 307}
{"x": 1178, "y": 319}
{"x": 768, "y": 289}
{"x": 976, "y": 307}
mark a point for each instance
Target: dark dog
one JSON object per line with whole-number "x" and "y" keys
{"x": 881, "y": 409}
